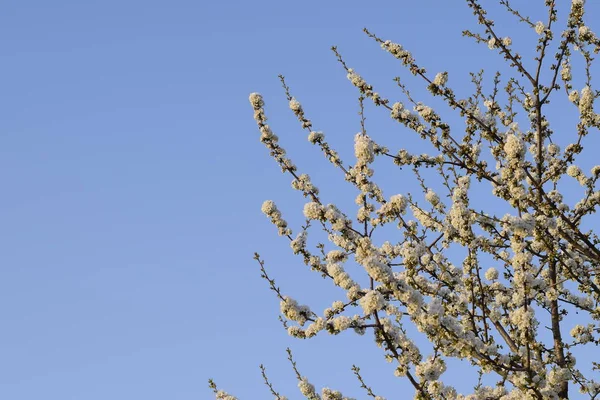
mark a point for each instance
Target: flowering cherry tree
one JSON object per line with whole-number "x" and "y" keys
{"x": 515, "y": 292}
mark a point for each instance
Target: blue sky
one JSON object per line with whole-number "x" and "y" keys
{"x": 132, "y": 179}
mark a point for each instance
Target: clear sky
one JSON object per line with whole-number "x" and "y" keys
{"x": 132, "y": 179}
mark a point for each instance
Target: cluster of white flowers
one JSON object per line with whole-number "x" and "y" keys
{"x": 315, "y": 327}
{"x": 298, "y": 111}
{"x": 575, "y": 172}
{"x": 426, "y": 113}
{"x": 293, "y": 311}
{"x": 522, "y": 226}
{"x": 270, "y": 210}
{"x": 585, "y": 32}
{"x": 341, "y": 323}
{"x": 360, "y": 83}
{"x": 574, "y": 96}
{"x": 304, "y": 185}
{"x": 441, "y": 79}
{"x": 315, "y": 137}
{"x": 295, "y": 106}
{"x": 540, "y": 27}
{"x": 491, "y": 274}
{"x": 256, "y": 100}
{"x": 488, "y": 392}
{"x": 565, "y": 72}
{"x": 576, "y": 14}
{"x": 514, "y": 147}
{"x": 432, "y": 197}
{"x": 460, "y": 218}
{"x": 426, "y": 219}
{"x": 583, "y": 334}
{"x": 336, "y": 256}
{"x": 363, "y": 149}
{"x": 268, "y": 137}
{"x": 339, "y": 222}
{"x": 586, "y": 107}
{"x": 308, "y": 389}
{"x": 523, "y": 319}
{"x": 431, "y": 369}
{"x": 330, "y": 394}
{"x": 399, "y": 111}
{"x": 336, "y": 308}
{"x": 587, "y": 99}
{"x": 342, "y": 279}
{"x": 372, "y": 301}
{"x": 378, "y": 270}
{"x": 222, "y": 395}
{"x": 557, "y": 376}
{"x": 404, "y": 116}
{"x": 398, "y": 51}
{"x": 394, "y": 207}
{"x": 314, "y": 211}
{"x": 299, "y": 243}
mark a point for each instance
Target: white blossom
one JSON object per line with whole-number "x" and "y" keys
{"x": 295, "y": 105}
{"x": 222, "y": 395}
{"x": 293, "y": 311}
{"x": 431, "y": 369}
{"x": 573, "y": 96}
{"x": 307, "y": 389}
{"x": 540, "y": 27}
{"x": 432, "y": 197}
{"x": 584, "y": 30}
{"x": 341, "y": 323}
{"x": 441, "y": 78}
{"x": 371, "y": 302}
{"x": 270, "y": 209}
{"x": 313, "y": 210}
{"x": 256, "y": 100}
{"x": 378, "y": 270}
{"x": 582, "y": 334}
{"x": 363, "y": 149}
{"x": 299, "y": 243}
{"x": 491, "y": 274}
{"x": 586, "y": 101}
{"x": 565, "y": 72}
{"x": 573, "y": 171}
{"x": 514, "y": 147}
{"x": 314, "y": 137}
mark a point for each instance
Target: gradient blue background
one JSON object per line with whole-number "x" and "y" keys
{"x": 132, "y": 177}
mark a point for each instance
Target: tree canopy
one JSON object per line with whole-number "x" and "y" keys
{"x": 510, "y": 282}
